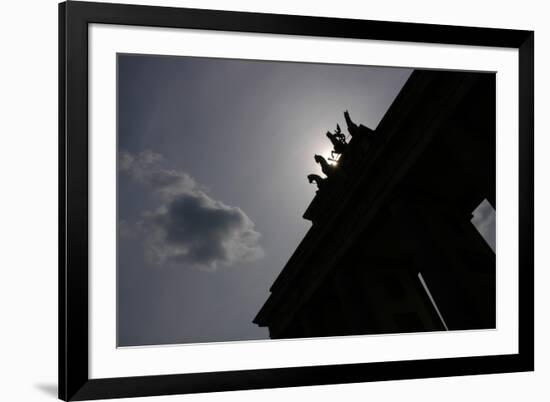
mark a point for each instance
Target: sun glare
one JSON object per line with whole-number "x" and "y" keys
{"x": 326, "y": 153}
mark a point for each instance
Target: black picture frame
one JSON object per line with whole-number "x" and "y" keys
{"x": 74, "y": 380}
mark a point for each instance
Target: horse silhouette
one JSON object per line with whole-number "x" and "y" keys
{"x": 317, "y": 179}
{"x": 326, "y": 167}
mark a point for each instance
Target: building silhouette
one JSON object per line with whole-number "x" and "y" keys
{"x": 392, "y": 248}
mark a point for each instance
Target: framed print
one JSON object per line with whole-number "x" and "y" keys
{"x": 258, "y": 201}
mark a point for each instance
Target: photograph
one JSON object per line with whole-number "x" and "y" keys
{"x": 266, "y": 199}
{"x": 252, "y": 200}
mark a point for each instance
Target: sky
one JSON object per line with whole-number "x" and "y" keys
{"x": 213, "y": 159}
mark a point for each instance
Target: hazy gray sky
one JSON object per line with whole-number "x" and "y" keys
{"x": 213, "y": 159}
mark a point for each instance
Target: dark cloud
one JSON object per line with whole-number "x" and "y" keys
{"x": 189, "y": 227}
